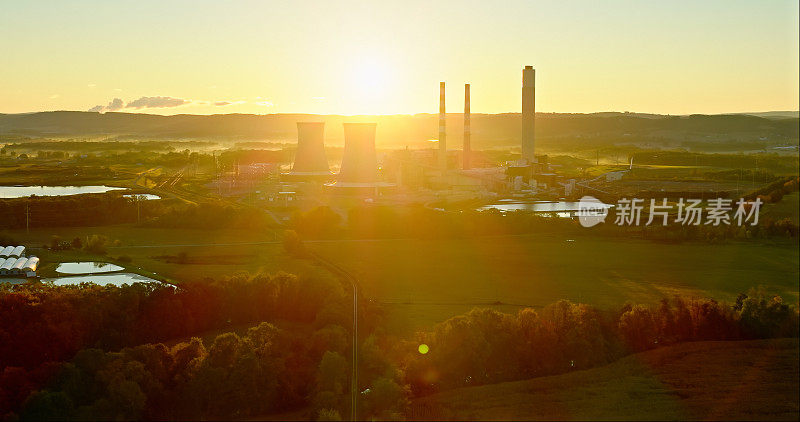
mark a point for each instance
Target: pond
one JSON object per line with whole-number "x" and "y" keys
{"x": 24, "y": 191}
{"x": 117, "y": 279}
{"x": 89, "y": 267}
{"x": 560, "y": 208}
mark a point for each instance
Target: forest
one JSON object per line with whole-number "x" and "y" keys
{"x": 136, "y": 352}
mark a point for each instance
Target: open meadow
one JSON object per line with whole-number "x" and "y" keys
{"x": 175, "y": 255}
{"x": 422, "y": 282}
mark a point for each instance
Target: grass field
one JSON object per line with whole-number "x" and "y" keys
{"x": 748, "y": 380}
{"x": 422, "y": 282}
{"x": 425, "y": 282}
{"x": 209, "y": 253}
{"x": 788, "y": 207}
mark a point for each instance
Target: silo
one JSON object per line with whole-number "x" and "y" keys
{"x": 310, "y": 157}
{"x": 359, "y": 162}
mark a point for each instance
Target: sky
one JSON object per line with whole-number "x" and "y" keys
{"x": 386, "y": 57}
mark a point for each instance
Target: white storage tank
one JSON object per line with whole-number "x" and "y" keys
{"x": 18, "y": 265}
{"x": 31, "y": 264}
{"x": 5, "y": 267}
{"x": 18, "y": 251}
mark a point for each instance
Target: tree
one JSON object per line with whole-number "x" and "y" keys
{"x": 328, "y": 415}
{"x": 332, "y": 375}
{"x": 96, "y": 244}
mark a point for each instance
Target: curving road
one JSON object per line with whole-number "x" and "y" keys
{"x": 354, "y": 364}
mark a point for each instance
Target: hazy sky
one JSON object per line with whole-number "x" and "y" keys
{"x": 384, "y": 57}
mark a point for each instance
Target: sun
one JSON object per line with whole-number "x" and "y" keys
{"x": 370, "y": 77}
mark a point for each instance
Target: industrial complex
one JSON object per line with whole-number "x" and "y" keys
{"x": 439, "y": 174}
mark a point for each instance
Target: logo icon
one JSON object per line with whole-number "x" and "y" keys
{"x": 591, "y": 211}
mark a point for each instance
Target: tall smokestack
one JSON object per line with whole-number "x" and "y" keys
{"x": 442, "y": 127}
{"x": 310, "y": 156}
{"x": 359, "y": 163}
{"x": 528, "y": 112}
{"x": 467, "y": 134}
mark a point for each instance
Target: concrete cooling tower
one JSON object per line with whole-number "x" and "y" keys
{"x": 359, "y": 162}
{"x": 310, "y": 158}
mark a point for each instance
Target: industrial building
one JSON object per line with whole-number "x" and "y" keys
{"x": 13, "y": 262}
{"x": 432, "y": 174}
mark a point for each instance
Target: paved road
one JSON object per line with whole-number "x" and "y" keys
{"x": 354, "y": 284}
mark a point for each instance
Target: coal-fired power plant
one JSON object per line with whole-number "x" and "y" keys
{"x": 442, "y": 131}
{"x": 359, "y": 162}
{"x": 467, "y": 134}
{"x": 528, "y": 113}
{"x": 310, "y": 158}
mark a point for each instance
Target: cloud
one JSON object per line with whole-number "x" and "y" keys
{"x": 160, "y": 102}
{"x": 156, "y": 102}
{"x": 114, "y": 105}
{"x": 265, "y": 103}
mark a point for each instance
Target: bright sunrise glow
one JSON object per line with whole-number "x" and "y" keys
{"x": 388, "y": 57}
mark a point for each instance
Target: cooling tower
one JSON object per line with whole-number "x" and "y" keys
{"x": 442, "y": 131}
{"x": 467, "y": 133}
{"x": 359, "y": 163}
{"x": 528, "y": 112}
{"x": 310, "y": 157}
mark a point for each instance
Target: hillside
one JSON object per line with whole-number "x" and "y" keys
{"x": 747, "y": 380}
{"x": 489, "y": 130}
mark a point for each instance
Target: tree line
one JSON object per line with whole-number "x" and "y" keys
{"x": 92, "y": 352}
{"x": 485, "y": 346}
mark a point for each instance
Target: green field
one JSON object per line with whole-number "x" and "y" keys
{"x": 424, "y": 282}
{"x": 745, "y": 380}
{"x": 788, "y": 207}
{"x": 210, "y": 253}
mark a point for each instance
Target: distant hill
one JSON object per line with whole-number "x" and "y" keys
{"x": 777, "y": 114}
{"x": 488, "y": 130}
